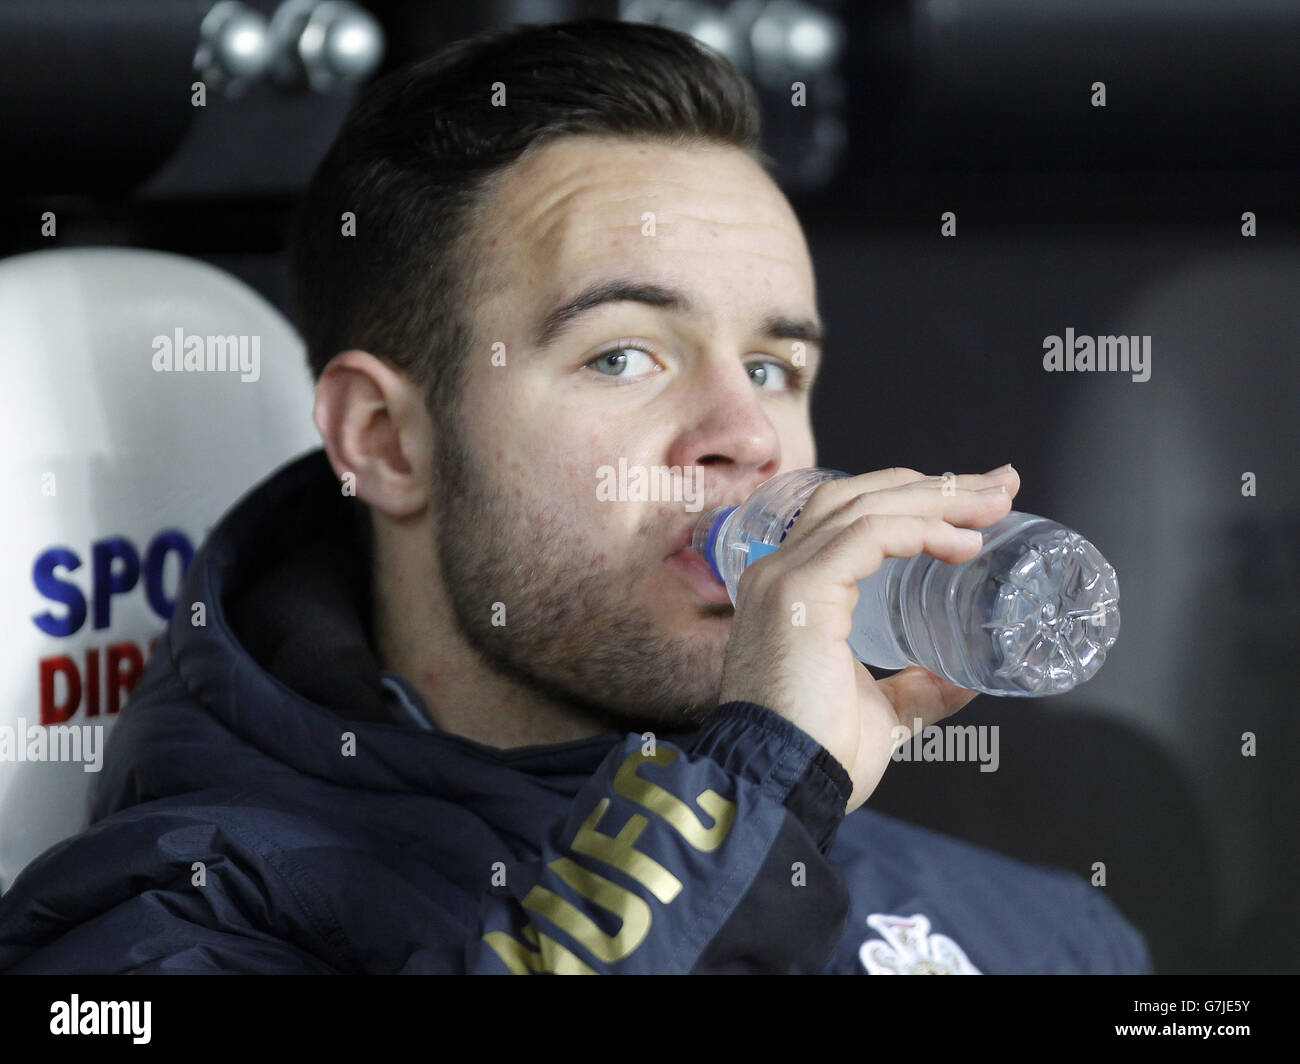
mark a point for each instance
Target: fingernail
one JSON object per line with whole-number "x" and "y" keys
{"x": 1000, "y": 469}
{"x": 1000, "y": 489}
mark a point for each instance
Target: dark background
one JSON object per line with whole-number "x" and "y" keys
{"x": 1124, "y": 219}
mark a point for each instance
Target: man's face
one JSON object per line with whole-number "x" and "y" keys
{"x": 599, "y": 607}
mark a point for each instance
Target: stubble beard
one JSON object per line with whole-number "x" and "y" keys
{"x": 574, "y": 631}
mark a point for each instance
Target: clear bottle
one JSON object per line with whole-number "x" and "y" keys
{"x": 1034, "y": 613}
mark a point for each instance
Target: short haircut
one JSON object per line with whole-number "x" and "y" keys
{"x": 415, "y": 160}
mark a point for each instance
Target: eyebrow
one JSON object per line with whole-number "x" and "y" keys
{"x": 562, "y": 318}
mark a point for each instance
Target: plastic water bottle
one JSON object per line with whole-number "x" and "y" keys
{"x": 1034, "y": 613}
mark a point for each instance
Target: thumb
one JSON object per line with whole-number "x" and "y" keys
{"x": 917, "y": 692}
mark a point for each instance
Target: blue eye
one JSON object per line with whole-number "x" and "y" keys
{"x": 787, "y": 378}
{"x": 615, "y": 362}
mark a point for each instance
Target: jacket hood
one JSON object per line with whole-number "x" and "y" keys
{"x": 283, "y": 675}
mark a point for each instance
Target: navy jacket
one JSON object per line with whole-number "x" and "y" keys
{"x": 273, "y": 802}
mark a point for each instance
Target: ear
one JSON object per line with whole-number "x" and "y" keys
{"x": 374, "y": 425}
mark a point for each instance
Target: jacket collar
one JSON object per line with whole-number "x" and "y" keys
{"x": 285, "y": 659}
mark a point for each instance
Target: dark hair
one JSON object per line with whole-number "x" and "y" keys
{"x": 416, "y": 157}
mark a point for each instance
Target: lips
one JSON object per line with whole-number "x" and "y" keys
{"x": 696, "y": 573}
{"x": 682, "y": 539}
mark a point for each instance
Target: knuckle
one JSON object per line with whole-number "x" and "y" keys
{"x": 865, "y": 522}
{"x": 784, "y": 586}
{"x": 849, "y": 507}
{"x": 826, "y": 496}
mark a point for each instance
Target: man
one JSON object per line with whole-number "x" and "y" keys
{"x": 455, "y": 709}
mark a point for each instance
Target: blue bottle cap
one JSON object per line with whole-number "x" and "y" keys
{"x": 713, "y": 539}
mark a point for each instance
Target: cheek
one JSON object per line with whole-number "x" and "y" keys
{"x": 797, "y": 447}
{"x": 549, "y": 457}
{"x": 583, "y": 471}
{"x": 551, "y": 475}
{"x": 520, "y": 444}
{"x": 576, "y": 454}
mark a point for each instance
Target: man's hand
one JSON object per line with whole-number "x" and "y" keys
{"x": 806, "y": 673}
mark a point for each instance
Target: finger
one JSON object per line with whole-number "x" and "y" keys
{"x": 918, "y": 693}
{"x": 964, "y": 506}
{"x": 1008, "y": 476}
{"x": 839, "y": 558}
{"x": 903, "y": 491}
{"x": 855, "y": 551}
{"x": 832, "y": 494}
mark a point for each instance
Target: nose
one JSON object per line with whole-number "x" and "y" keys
{"x": 725, "y": 428}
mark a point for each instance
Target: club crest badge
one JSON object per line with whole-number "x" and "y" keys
{"x": 908, "y": 948}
